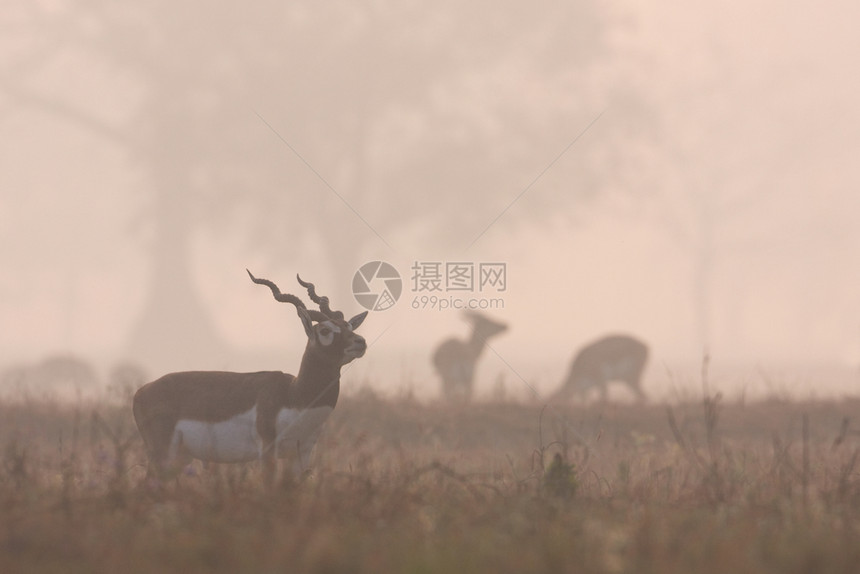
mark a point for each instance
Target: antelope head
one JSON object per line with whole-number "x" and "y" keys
{"x": 329, "y": 334}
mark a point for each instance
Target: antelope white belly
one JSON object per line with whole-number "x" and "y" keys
{"x": 232, "y": 440}
{"x": 236, "y": 439}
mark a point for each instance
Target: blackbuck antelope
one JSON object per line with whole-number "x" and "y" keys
{"x": 237, "y": 417}
{"x": 614, "y": 358}
{"x": 455, "y": 360}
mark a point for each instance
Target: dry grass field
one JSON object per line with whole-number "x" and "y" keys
{"x": 402, "y": 486}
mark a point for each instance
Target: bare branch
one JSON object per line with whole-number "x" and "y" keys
{"x": 62, "y": 109}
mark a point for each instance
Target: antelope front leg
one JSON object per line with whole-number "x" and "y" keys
{"x": 269, "y": 461}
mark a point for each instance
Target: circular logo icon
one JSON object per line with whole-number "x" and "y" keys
{"x": 377, "y": 286}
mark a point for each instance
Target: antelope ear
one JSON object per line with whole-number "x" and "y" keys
{"x": 306, "y": 321}
{"x": 356, "y": 321}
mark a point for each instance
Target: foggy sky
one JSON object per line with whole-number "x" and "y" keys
{"x": 741, "y": 134}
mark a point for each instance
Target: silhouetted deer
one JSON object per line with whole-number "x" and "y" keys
{"x": 455, "y": 360}
{"x": 614, "y": 358}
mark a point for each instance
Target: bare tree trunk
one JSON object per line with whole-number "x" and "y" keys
{"x": 174, "y": 330}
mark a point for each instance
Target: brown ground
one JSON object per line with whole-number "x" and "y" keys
{"x": 400, "y": 486}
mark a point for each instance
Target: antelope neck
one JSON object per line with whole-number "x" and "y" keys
{"x": 317, "y": 383}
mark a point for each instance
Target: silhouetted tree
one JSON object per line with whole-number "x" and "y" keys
{"x": 291, "y": 121}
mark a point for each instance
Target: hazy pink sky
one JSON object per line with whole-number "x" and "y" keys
{"x": 759, "y": 100}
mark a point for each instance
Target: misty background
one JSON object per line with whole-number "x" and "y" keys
{"x": 685, "y": 173}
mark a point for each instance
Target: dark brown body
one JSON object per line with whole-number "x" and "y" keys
{"x": 159, "y": 405}
{"x": 214, "y": 396}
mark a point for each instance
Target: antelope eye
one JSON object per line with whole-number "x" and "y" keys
{"x": 325, "y": 332}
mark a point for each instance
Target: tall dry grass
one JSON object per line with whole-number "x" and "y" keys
{"x": 400, "y": 486}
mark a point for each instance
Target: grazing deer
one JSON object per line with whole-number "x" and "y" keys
{"x": 455, "y": 360}
{"x": 237, "y": 417}
{"x": 614, "y": 358}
